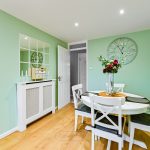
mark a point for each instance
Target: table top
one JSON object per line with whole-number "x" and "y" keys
{"x": 129, "y": 108}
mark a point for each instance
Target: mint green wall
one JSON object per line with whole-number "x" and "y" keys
{"x": 135, "y": 75}
{"x": 10, "y": 27}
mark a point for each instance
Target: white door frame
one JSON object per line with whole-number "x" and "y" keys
{"x": 77, "y": 49}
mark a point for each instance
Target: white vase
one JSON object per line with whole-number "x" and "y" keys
{"x": 110, "y": 83}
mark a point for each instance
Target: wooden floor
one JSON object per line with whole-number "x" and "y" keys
{"x": 55, "y": 132}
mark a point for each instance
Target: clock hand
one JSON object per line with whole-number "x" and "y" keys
{"x": 121, "y": 50}
{"x": 118, "y": 47}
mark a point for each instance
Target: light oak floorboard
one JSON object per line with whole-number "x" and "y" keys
{"x": 56, "y": 132}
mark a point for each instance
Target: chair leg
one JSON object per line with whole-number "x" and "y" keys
{"x": 82, "y": 119}
{"x": 93, "y": 139}
{"x": 76, "y": 122}
{"x": 120, "y": 145}
{"x": 129, "y": 124}
{"x": 131, "y": 136}
{"x": 96, "y": 137}
{"x": 108, "y": 144}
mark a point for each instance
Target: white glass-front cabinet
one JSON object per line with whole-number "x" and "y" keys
{"x": 35, "y": 99}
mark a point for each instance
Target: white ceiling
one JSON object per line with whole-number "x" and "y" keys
{"x": 97, "y": 18}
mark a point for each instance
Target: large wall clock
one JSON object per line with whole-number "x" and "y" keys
{"x": 124, "y": 49}
{"x": 36, "y": 59}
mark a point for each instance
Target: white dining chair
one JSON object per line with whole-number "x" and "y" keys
{"x": 105, "y": 124}
{"x": 80, "y": 108}
{"x": 118, "y": 87}
{"x": 141, "y": 122}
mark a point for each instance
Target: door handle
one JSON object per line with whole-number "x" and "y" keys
{"x": 59, "y": 78}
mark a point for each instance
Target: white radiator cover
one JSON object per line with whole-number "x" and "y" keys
{"x": 34, "y": 100}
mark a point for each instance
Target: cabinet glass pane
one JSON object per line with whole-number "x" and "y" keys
{"x": 40, "y": 50}
{"x": 33, "y": 44}
{"x": 46, "y": 47}
{"x": 24, "y": 41}
{"x": 34, "y": 65}
{"x": 47, "y": 68}
{"x": 40, "y": 46}
{"x": 23, "y": 68}
{"x": 24, "y": 55}
{"x": 47, "y": 50}
{"x": 46, "y": 58}
{"x": 34, "y": 59}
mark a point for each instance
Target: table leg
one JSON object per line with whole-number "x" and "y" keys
{"x": 88, "y": 128}
{"x": 129, "y": 126}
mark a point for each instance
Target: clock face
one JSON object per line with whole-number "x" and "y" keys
{"x": 36, "y": 59}
{"x": 123, "y": 49}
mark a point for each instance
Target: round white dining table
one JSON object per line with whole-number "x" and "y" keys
{"x": 129, "y": 108}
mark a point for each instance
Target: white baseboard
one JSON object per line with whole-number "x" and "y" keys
{"x": 8, "y": 132}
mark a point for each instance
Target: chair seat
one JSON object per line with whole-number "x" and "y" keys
{"x": 106, "y": 121}
{"x": 137, "y": 100}
{"x": 141, "y": 119}
{"x": 84, "y": 108}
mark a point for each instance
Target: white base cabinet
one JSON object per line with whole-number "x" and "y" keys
{"x": 34, "y": 100}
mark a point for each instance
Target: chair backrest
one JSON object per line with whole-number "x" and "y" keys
{"x": 107, "y": 106}
{"x": 77, "y": 91}
{"x": 118, "y": 87}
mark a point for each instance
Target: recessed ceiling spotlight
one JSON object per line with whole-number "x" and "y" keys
{"x": 76, "y": 24}
{"x": 26, "y": 38}
{"x": 121, "y": 11}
